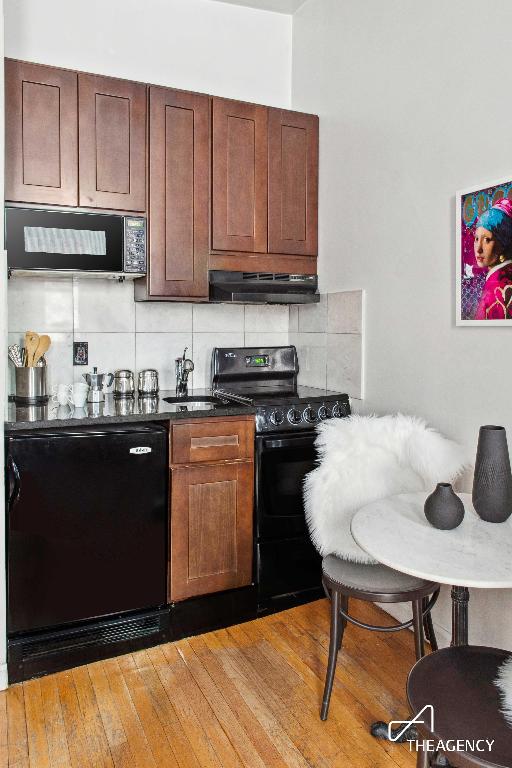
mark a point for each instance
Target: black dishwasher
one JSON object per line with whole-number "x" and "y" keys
{"x": 86, "y": 542}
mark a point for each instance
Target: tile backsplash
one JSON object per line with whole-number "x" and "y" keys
{"x": 329, "y": 341}
{"x": 122, "y": 333}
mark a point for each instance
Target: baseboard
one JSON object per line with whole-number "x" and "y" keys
{"x": 3, "y": 677}
{"x": 403, "y": 612}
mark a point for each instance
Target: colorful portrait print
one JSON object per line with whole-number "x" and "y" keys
{"x": 484, "y": 255}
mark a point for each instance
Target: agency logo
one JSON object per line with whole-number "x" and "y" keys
{"x": 397, "y": 728}
{"x": 405, "y": 730}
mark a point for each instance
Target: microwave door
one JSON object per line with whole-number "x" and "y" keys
{"x": 48, "y": 240}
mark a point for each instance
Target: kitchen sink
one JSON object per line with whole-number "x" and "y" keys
{"x": 206, "y": 400}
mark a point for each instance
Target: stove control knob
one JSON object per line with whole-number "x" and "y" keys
{"x": 310, "y": 415}
{"x": 324, "y": 412}
{"x": 277, "y": 418}
{"x": 294, "y": 416}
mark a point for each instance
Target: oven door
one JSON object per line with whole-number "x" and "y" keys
{"x": 282, "y": 462}
{"x": 48, "y": 240}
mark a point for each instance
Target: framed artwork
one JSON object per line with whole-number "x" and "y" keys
{"x": 484, "y": 254}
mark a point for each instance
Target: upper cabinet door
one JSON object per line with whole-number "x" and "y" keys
{"x": 40, "y": 134}
{"x": 239, "y": 191}
{"x": 292, "y": 183}
{"x": 112, "y": 143}
{"x": 178, "y": 193}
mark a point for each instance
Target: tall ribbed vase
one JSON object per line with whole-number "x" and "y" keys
{"x": 492, "y": 482}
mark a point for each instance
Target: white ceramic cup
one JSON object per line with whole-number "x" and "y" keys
{"x": 78, "y": 394}
{"x": 61, "y": 394}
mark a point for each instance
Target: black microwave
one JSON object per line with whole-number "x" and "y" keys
{"x": 50, "y": 242}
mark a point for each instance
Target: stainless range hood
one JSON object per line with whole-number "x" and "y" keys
{"x": 263, "y": 288}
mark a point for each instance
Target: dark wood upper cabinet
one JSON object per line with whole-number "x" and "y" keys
{"x": 239, "y": 185}
{"x": 178, "y": 193}
{"x": 41, "y": 160}
{"x": 225, "y": 184}
{"x": 112, "y": 143}
{"x": 292, "y": 183}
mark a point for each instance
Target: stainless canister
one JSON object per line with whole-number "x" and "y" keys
{"x": 148, "y": 382}
{"x": 123, "y": 384}
{"x": 31, "y": 386}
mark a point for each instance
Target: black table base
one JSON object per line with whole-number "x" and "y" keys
{"x": 460, "y": 600}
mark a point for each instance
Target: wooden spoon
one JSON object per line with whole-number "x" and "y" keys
{"x": 31, "y": 345}
{"x": 42, "y": 348}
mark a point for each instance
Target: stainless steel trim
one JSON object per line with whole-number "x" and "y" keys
{"x": 230, "y": 396}
{"x": 45, "y": 273}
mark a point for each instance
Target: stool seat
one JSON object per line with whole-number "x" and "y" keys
{"x": 374, "y": 582}
{"x": 459, "y": 683}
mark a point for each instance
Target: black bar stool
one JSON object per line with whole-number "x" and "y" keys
{"x": 459, "y": 685}
{"x": 376, "y": 584}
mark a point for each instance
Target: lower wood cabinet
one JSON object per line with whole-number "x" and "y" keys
{"x": 211, "y": 531}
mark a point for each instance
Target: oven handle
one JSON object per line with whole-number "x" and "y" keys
{"x": 290, "y": 442}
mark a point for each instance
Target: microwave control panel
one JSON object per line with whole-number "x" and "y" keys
{"x": 135, "y": 244}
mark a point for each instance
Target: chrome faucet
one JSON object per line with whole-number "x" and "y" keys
{"x": 183, "y": 367}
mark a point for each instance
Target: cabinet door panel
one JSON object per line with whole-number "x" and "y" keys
{"x": 211, "y": 528}
{"x": 239, "y": 192}
{"x": 292, "y": 183}
{"x": 112, "y": 143}
{"x": 41, "y": 160}
{"x": 178, "y": 193}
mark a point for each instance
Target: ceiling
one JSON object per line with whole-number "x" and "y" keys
{"x": 281, "y": 6}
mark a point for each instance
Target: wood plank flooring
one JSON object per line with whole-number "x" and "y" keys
{"x": 246, "y": 696}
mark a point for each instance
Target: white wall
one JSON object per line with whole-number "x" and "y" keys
{"x": 199, "y": 45}
{"x": 414, "y": 104}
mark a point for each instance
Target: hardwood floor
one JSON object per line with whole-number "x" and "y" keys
{"x": 248, "y": 696}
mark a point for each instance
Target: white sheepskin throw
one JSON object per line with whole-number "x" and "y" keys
{"x": 504, "y": 683}
{"x": 367, "y": 458}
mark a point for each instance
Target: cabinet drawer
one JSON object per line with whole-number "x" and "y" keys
{"x": 212, "y": 440}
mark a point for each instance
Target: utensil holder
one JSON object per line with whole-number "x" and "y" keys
{"x": 31, "y": 386}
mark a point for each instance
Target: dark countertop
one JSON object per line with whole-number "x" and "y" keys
{"x": 114, "y": 411}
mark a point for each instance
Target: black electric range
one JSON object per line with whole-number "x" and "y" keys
{"x": 287, "y": 567}
{"x": 266, "y": 378}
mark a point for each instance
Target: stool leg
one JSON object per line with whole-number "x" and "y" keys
{"x": 417, "y": 614}
{"x": 429, "y": 627}
{"x": 343, "y": 621}
{"x": 334, "y": 641}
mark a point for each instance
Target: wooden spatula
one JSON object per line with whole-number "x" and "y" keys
{"x": 42, "y": 348}
{"x": 31, "y": 345}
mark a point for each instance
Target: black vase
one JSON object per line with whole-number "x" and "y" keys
{"x": 443, "y": 508}
{"x": 492, "y": 482}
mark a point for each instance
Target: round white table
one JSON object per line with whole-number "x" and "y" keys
{"x": 396, "y": 532}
